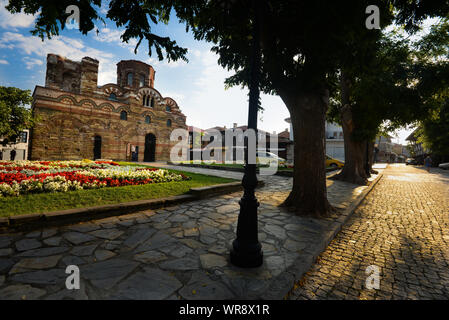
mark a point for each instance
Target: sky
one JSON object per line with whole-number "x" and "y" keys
{"x": 197, "y": 86}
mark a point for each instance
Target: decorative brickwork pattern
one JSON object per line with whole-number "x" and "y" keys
{"x": 79, "y": 120}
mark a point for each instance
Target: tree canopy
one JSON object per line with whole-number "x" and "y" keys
{"x": 14, "y": 114}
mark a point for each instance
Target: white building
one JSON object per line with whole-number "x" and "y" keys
{"x": 335, "y": 143}
{"x": 20, "y": 148}
{"x": 335, "y": 146}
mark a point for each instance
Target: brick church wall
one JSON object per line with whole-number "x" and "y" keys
{"x": 72, "y": 110}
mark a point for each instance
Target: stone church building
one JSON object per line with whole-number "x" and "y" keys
{"x": 78, "y": 119}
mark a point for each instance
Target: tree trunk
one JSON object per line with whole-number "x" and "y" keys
{"x": 355, "y": 151}
{"x": 308, "y": 196}
{"x": 371, "y": 157}
{"x": 354, "y": 170}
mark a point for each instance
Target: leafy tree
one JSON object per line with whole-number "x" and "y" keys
{"x": 302, "y": 48}
{"x": 433, "y": 55}
{"x": 14, "y": 115}
{"x": 392, "y": 82}
{"x": 137, "y": 16}
{"x": 303, "y": 45}
{"x": 434, "y": 133}
{"x": 378, "y": 90}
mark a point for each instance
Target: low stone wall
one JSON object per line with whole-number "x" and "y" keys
{"x": 283, "y": 173}
{"x": 36, "y": 220}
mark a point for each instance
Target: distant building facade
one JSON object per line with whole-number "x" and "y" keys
{"x": 17, "y": 150}
{"x": 335, "y": 143}
{"x": 127, "y": 120}
{"x": 416, "y": 148}
{"x": 197, "y": 146}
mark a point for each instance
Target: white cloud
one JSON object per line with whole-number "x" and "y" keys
{"x": 70, "y": 48}
{"x": 109, "y": 35}
{"x": 18, "y": 20}
{"x": 2, "y": 61}
{"x": 31, "y": 62}
{"x": 155, "y": 63}
{"x": 208, "y": 104}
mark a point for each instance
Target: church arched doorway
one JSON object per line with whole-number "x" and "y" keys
{"x": 97, "y": 147}
{"x": 150, "y": 148}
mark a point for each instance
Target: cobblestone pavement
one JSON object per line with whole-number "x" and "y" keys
{"x": 178, "y": 252}
{"x": 402, "y": 227}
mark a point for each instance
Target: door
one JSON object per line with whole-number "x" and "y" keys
{"x": 150, "y": 148}
{"x": 97, "y": 147}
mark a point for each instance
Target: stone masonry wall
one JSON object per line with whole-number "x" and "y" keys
{"x": 68, "y": 124}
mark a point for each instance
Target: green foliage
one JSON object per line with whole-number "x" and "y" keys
{"x": 411, "y": 13}
{"x": 14, "y": 115}
{"x": 303, "y": 42}
{"x": 135, "y": 15}
{"x": 433, "y": 70}
{"x": 434, "y": 132}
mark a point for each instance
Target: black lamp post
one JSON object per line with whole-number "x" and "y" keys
{"x": 246, "y": 249}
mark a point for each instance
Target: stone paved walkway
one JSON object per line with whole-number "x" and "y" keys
{"x": 178, "y": 252}
{"x": 403, "y": 228}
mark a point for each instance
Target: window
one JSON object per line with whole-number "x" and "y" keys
{"x": 130, "y": 79}
{"x": 123, "y": 115}
{"x": 23, "y": 138}
{"x": 144, "y": 100}
{"x": 113, "y": 96}
{"x": 168, "y": 108}
{"x": 168, "y": 123}
{"x": 147, "y": 119}
{"x": 141, "y": 80}
{"x": 152, "y": 102}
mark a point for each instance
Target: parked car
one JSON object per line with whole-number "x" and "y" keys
{"x": 444, "y": 166}
{"x": 265, "y": 158}
{"x": 334, "y": 163}
{"x": 411, "y": 161}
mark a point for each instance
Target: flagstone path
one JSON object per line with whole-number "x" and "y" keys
{"x": 178, "y": 252}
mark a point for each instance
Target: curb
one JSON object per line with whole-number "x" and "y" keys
{"x": 285, "y": 283}
{"x": 48, "y": 219}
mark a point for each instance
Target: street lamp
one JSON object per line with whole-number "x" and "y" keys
{"x": 246, "y": 249}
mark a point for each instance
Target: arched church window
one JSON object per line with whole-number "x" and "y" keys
{"x": 113, "y": 96}
{"x": 130, "y": 79}
{"x": 168, "y": 108}
{"x": 152, "y": 102}
{"x": 147, "y": 119}
{"x": 123, "y": 115}
{"x": 168, "y": 123}
{"x": 144, "y": 100}
{"x": 141, "y": 80}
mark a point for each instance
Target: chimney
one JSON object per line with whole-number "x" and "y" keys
{"x": 286, "y": 129}
{"x": 224, "y": 127}
{"x": 235, "y": 125}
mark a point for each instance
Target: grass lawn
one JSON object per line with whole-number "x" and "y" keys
{"x": 47, "y": 202}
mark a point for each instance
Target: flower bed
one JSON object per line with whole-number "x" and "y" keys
{"x": 24, "y": 177}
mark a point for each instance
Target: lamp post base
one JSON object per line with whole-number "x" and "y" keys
{"x": 246, "y": 256}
